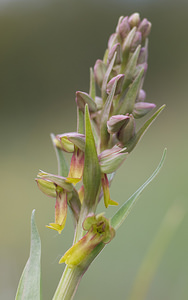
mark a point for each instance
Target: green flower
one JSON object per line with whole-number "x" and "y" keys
{"x": 98, "y": 230}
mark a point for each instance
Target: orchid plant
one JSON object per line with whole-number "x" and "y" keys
{"x": 106, "y": 134}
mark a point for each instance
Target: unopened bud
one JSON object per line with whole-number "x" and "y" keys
{"x": 111, "y": 159}
{"x": 127, "y": 132}
{"x": 134, "y": 20}
{"x": 119, "y": 78}
{"x": 142, "y": 108}
{"x": 116, "y": 48}
{"x": 99, "y": 71}
{"x": 116, "y": 122}
{"x": 82, "y": 99}
{"x": 113, "y": 39}
{"x": 145, "y": 28}
{"x": 141, "y": 96}
{"x": 124, "y": 28}
{"x": 67, "y": 141}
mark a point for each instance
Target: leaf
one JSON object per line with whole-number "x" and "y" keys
{"x": 92, "y": 91}
{"x": 62, "y": 165}
{"x": 106, "y": 77}
{"x": 132, "y": 143}
{"x": 29, "y": 285}
{"x": 125, "y": 209}
{"x": 127, "y": 105}
{"x": 92, "y": 173}
{"x": 104, "y": 135}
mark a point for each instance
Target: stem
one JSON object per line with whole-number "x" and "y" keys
{"x": 68, "y": 283}
{"x": 71, "y": 276}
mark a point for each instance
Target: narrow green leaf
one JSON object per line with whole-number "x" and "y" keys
{"x": 161, "y": 240}
{"x": 92, "y": 173}
{"x": 29, "y": 285}
{"x": 106, "y": 77}
{"x": 130, "y": 69}
{"x": 125, "y": 209}
{"x": 132, "y": 143}
{"x": 80, "y": 121}
{"x": 62, "y": 165}
{"x": 92, "y": 91}
{"x": 104, "y": 135}
{"x": 127, "y": 105}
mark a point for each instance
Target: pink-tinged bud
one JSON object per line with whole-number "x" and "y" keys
{"x": 134, "y": 20}
{"x": 67, "y": 141}
{"x": 49, "y": 184}
{"x": 76, "y": 166}
{"x": 124, "y": 28}
{"x": 116, "y": 48}
{"x": 145, "y": 28}
{"x": 99, "y": 71}
{"x": 116, "y": 122}
{"x": 106, "y": 192}
{"x": 82, "y": 99}
{"x": 113, "y": 39}
{"x": 119, "y": 78}
{"x": 119, "y": 22}
{"x": 136, "y": 41}
{"x": 98, "y": 230}
{"x": 111, "y": 159}
{"x": 127, "y": 132}
{"x": 142, "y": 108}
{"x": 141, "y": 96}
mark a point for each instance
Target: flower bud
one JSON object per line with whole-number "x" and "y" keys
{"x": 134, "y": 20}
{"x": 113, "y": 39}
{"x": 111, "y": 159}
{"x": 82, "y": 99}
{"x": 115, "y": 48}
{"x": 142, "y": 108}
{"x": 99, "y": 71}
{"x": 67, "y": 141}
{"x": 144, "y": 28}
{"x": 49, "y": 183}
{"x": 127, "y": 132}
{"x": 119, "y": 78}
{"x": 124, "y": 28}
{"x": 141, "y": 96}
{"x": 116, "y": 122}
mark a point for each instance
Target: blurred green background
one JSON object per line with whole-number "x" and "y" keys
{"x": 47, "y": 48}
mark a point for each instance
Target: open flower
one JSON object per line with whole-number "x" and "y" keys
{"x": 57, "y": 187}
{"x": 98, "y": 230}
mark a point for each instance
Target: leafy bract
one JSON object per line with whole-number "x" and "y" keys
{"x": 125, "y": 209}
{"x": 29, "y": 286}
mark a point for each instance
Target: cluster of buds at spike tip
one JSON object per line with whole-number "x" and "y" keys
{"x": 106, "y": 126}
{"x": 98, "y": 230}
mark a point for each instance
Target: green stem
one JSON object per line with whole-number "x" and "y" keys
{"x": 68, "y": 283}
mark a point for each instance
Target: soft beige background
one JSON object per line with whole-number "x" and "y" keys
{"x": 46, "y": 51}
